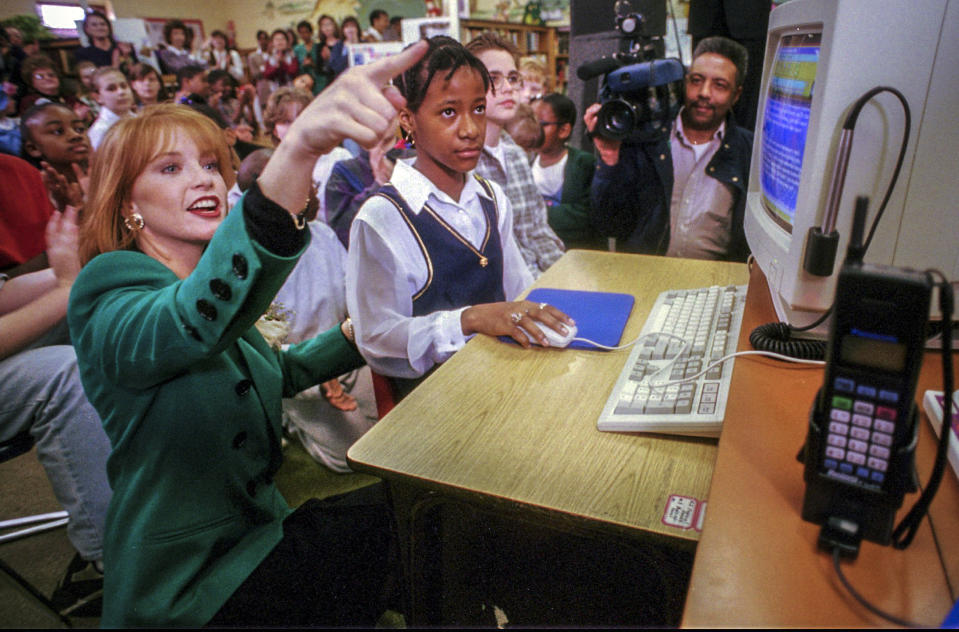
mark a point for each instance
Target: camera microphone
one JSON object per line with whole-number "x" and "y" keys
{"x": 596, "y": 68}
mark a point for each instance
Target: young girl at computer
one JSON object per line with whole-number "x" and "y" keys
{"x": 432, "y": 257}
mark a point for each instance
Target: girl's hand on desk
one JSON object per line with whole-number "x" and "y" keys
{"x": 510, "y": 319}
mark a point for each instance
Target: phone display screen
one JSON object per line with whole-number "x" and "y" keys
{"x": 875, "y": 351}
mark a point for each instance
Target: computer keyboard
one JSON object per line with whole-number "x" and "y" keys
{"x": 685, "y": 332}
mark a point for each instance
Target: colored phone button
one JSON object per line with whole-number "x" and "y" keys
{"x": 841, "y": 402}
{"x": 839, "y": 415}
{"x": 863, "y": 421}
{"x": 889, "y": 396}
{"x": 863, "y": 407}
{"x": 835, "y": 453}
{"x": 882, "y": 438}
{"x": 866, "y": 391}
{"x": 856, "y": 457}
{"x": 884, "y": 426}
{"x": 844, "y": 384}
{"x": 837, "y": 428}
{"x": 884, "y": 412}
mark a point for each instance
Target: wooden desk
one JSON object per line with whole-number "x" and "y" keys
{"x": 516, "y": 430}
{"x": 757, "y": 564}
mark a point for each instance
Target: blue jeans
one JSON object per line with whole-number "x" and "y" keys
{"x": 40, "y": 391}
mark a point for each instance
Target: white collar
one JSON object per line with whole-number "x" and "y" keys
{"x": 417, "y": 189}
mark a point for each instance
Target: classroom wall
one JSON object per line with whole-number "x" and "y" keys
{"x": 249, "y": 16}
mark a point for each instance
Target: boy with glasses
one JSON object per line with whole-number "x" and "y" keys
{"x": 505, "y": 162}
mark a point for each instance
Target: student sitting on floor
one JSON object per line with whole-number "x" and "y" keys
{"x": 115, "y": 96}
{"x": 432, "y": 256}
{"x": 55, "y": 140}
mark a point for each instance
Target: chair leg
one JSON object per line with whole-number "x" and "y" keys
{"x": 50, "y": 521}
{"x": 33, "y": 592}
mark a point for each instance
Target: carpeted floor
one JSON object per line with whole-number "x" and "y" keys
{"x": 42, "y": 559}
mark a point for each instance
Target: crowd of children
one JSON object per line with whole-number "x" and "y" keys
{"x": 421, "y": 235}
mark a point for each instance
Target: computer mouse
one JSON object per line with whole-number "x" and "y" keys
{"x": 555, "y": 338}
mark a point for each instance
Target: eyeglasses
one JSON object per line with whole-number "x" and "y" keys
{"x": 45, "y": 75}
{"x": 548, "y": 123}
{"x": 514, "y": 79}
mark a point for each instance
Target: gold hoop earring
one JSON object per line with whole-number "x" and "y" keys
{"x": 134, "y": 222}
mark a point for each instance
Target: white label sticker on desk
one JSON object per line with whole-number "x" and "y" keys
{"x": 684, "y": 512}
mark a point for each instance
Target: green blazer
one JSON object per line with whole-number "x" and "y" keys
{"x": 190, "y": 397}
{"x": 570, "y": 218}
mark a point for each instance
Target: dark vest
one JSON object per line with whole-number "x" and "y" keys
{"x": 459, "y": 274}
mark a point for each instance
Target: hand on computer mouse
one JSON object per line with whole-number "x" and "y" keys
{"x": 515, "y": 319}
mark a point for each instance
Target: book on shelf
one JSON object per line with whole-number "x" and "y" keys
{"x": 532, "y": 40}
{"x": 934, "y": 403}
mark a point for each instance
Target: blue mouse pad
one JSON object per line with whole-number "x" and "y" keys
{"x": 599, "y": 316}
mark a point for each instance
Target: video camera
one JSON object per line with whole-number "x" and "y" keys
{"x": 640, "y": 94}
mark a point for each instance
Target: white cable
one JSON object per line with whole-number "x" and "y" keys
{"x": 768, "y": 354}
{"x": 632, "y": 342}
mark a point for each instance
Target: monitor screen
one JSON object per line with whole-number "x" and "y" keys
{"x": 789, "y": 95}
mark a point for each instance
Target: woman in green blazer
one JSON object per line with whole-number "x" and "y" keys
{"x": 189, "y": 392}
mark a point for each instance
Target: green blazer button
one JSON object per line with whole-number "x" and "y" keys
{"x": 240, "y": 267}
{"x": 239, "y": 440}
{"x": 220, "y": 289}
{"x": 206, "y": 308}
{"x": 243, "y": 387}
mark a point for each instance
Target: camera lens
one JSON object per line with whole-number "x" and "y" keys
{"x": 616, "y": 119}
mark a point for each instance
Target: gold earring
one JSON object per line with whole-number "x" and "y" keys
{"x": 134, "y": 222}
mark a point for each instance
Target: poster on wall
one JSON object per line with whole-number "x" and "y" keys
{"x": 360, "y": 54}
{"x": 425, "y": 28}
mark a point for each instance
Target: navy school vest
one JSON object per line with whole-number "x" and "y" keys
{"x": 459, "y": 274}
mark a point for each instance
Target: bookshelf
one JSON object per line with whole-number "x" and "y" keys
{"x": 543, "y": 42}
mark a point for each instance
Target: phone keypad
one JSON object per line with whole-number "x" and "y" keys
{"x": 862, "y": 422}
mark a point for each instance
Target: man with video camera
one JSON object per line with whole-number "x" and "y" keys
{"x": 684, "y": 194}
